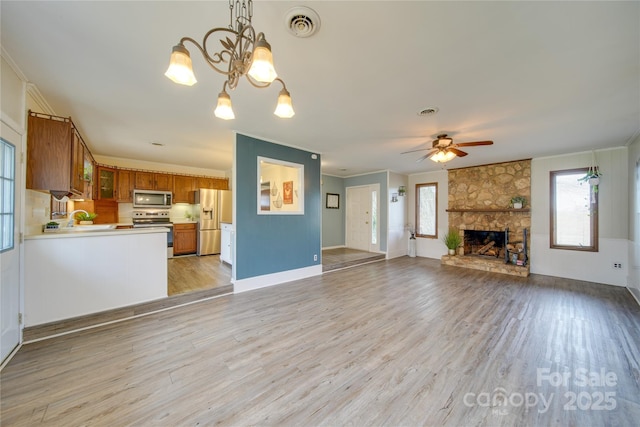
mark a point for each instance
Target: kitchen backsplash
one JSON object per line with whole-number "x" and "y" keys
{"x": 178, "y": 212}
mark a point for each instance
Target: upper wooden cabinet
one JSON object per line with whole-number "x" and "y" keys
{"x": 183, "y": 187}
{"x": 88, "y": 174}
{"x": 212, "y": 183}
{"x": 153, "y": 181}
{"x": 77, "y": 162}
{"x": 106, "y": 188}
{"x": 204, "y": 182}
{"x": 55, "y": 156}
{"x": 125, "y": 185}
{"x": 164, "y": 181}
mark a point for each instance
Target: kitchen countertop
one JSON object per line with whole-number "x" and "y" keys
{"x": 62, "y": 234}
{"x": 184, "y": 221}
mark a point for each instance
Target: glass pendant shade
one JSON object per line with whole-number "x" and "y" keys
{"x": 284, "y": 109}
{"x": 180, "y": 70}
{"x": 262, "y": 69}
{"x": 443, "y": 156}
{"x": 223, "y": 109}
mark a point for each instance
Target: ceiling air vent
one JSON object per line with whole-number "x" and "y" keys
{"x": 428, "y": 111}
{"x": 302, "y": 21}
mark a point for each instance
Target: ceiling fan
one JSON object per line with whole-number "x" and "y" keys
{"x": 443, "y": 149}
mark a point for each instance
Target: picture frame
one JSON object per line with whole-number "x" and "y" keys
{"x": 333, "y": 201}
{"x": 280, "y": 187}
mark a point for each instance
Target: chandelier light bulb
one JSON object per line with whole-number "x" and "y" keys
{"x": 284, "y": 109}
{"x": 224, "y": 110}
{"x": 180, "y": 70}
{"x": 262, "y": 69}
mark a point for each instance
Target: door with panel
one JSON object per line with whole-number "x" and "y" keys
{"x": 10, "y": 180}
{"x": 358, "y": 221}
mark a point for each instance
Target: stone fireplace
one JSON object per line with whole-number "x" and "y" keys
{"x": 479, "y": 208}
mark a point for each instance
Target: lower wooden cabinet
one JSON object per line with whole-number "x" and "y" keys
{"x": 184, "y": 239}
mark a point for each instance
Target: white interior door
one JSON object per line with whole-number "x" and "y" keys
{"x": 359, "y": 218}
{"x": 9, "y": 240}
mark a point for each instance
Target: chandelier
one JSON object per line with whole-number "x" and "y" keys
{"x": 243, "y": 53}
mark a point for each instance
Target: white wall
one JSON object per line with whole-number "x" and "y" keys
{"x": 430, "y": 248}
{"x": 612, "y": 224}
{"x": 633, "y": 280}
{"x": 397, "y": 235}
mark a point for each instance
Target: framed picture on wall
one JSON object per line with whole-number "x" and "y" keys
{"x": 280, "y": 187}
{"x": 333, "y": 201}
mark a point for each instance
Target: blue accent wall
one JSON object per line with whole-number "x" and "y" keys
{"x": 267, "y": 244}
{"x": 333, "y": 220}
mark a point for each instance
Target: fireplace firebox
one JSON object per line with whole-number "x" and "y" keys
{"x": 485, "y": 243}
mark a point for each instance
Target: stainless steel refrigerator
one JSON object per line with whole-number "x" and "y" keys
{"x": 214, "y": 208}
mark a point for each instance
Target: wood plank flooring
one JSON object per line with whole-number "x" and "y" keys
{"x": 399, "y": 342}
{"x": 337, "y": 258}
{"x": 196, "y": 273}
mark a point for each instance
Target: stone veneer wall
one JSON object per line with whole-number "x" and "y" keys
{"x": 485, "y": 192}
{"x": 479, "y": 199}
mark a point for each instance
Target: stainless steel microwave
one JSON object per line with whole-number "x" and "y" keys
{"x": 152, "y": 199}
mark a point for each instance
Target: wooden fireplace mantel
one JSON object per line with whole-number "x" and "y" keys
{"x": 490, "y": 210}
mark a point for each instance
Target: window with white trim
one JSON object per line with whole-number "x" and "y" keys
{"x": 7, "y": 199}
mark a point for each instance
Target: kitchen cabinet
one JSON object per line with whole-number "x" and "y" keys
{"x": 204, "y": 182}
{"x": 87, "y": 172}
{"x": 184, "y": 238}
{"x": 225, "y": 243}
{"x": 183, "y": 189}
{"x": 153, "y": 181}
{"x": 125, "y": 186}
{"x": 55, "y": 155}
{"x": 164, "y": 181}
{"x": 107, "y": 183}
{"x": 77, "y": 162}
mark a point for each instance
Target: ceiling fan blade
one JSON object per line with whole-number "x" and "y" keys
{"x": 471, "y": 144}
{"x": 419, "y": 149}
{"x": 457, "y": 152}
{"x": 426, "y": 156}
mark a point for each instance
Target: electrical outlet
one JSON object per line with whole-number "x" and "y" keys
{"x": 315, "y": 257}
{"x": 617, "y": 265}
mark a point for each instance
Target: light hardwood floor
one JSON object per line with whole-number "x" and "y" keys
{"x": 399, "y": 342}
{"x": 196, "y": 273}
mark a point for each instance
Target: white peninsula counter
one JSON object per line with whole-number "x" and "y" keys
{"x": 71, "y": 274}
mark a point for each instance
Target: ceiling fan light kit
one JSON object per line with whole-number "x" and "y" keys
{"x": 244, "y": 54}
{"x": 443, "y": 149}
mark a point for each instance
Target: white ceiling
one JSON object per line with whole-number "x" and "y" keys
{"x": 537, "y": 78}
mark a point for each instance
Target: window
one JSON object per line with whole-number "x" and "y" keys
{"x": 7, "y": 199}
{"x": 427, "y": 210}
{"x": 574, "y": 211}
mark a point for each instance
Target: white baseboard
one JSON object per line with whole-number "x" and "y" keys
{"x": 267, "y": 280}
{"x": 635, "y": 293}
{"x": 333, "y": 247}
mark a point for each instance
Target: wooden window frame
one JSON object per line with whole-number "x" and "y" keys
{"x": 417, "y": 209}
{"x": 593, "y": 207}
